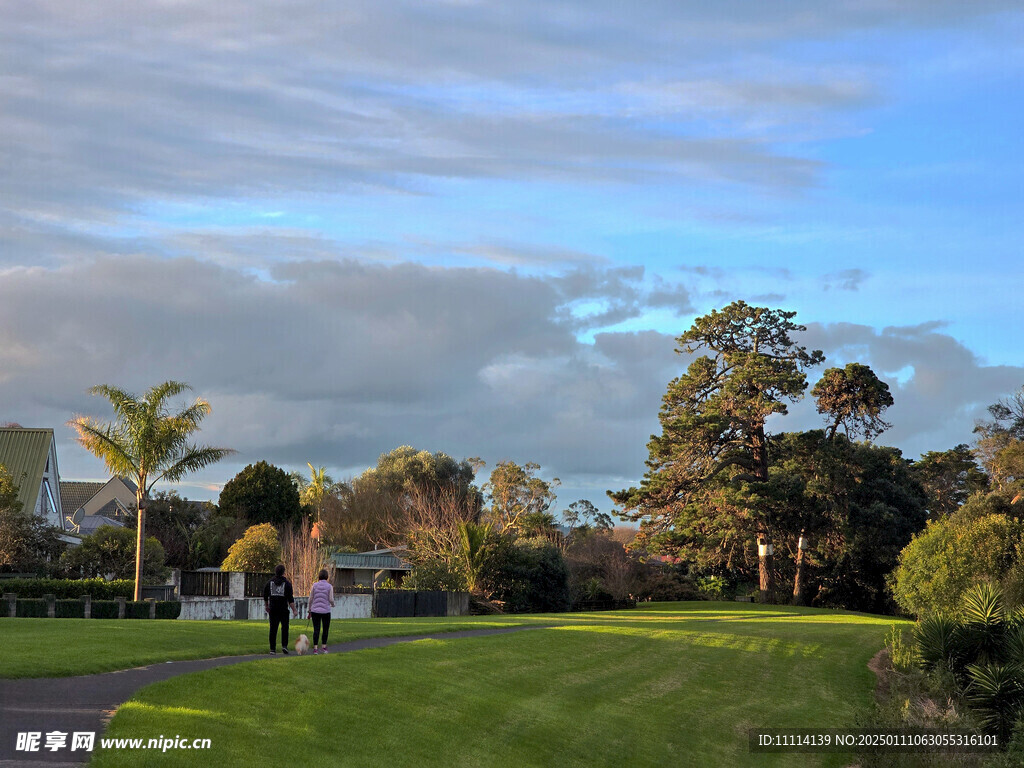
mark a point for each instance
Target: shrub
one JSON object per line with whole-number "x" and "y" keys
{"x": 527, "y": 575}
{"x": 136, "y": 610}
{"x": 168, "y": 609}
{"x": 902, "y": 652}
{"x": 111, "y": 550}
{"x": 104, "y": 609}
{"x": 99, "y": 589}
{"x": 713, "y": 588}
{"x": 32, "y": 608}
{"x": 435, "y": 574}
{"x": 981, "y": 648}
{"x": 70, "y": 609}
{"x": 941, "y": 563}
{"x": 259, "y": 550}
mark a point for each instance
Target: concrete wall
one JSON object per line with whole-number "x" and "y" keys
{"x": 206, "y": 608}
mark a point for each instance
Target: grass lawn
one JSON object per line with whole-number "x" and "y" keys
{"x": 666, "y": 684}
{"x": 87, "y": 646}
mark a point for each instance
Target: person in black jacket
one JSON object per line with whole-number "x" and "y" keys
{"x": 278, "y": 600}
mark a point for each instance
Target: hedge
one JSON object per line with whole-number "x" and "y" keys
{"x": 134, "y": 610}
{"x": 168, "y": 609}
{"x": 69, "y": 589}
{"x": 103, "y": 609}
{"x": 69, "y": 609}
{"x": 34, "y": 608}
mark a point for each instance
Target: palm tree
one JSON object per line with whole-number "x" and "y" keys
{"x": 317, "y": 488}
{"x": 147, "y": 443}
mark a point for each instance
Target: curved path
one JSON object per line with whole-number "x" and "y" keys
{"x": 86, "y": 703}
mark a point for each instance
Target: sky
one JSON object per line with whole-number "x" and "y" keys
{"x": 477, "y": 227}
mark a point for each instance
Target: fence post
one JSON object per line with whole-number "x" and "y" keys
{"x": 51, "y": 606}
{"x": 87, "y": 606}
{"x": 236, "y": 585}
{"x": 12, "y": 604}
{"x": 120, "y": 607}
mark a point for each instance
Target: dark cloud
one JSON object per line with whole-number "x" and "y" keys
{"x": 340, "y": 360}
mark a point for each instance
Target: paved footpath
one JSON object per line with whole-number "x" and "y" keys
{"x": 86, "y": 703}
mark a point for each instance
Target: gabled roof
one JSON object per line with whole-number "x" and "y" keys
{"x": 111, "y": 508}
{"x": 24, "y": 453}
{"x": 74, "y": 494}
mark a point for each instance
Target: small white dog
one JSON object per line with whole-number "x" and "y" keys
{"x": 302, "y": 645}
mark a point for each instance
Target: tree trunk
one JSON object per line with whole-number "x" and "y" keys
{"x": 140, "y": 540}
{"x": 764, "y": 540}
{"x": 764, "y": 568}
{"x": 798, "y": 581}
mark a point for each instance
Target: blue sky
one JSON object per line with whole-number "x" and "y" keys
{"x": 476, "y": 226}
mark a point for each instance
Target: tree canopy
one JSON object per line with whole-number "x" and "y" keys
{"x": 262, "y": 493}
{"x": 258, "y": 550}
{"x": 853, "y": 398}
{"x": 518, "y": 497}
{"x": 949, "y": 478}
{"x": 1001, "y": 440}
{"x": 713, "y": 437}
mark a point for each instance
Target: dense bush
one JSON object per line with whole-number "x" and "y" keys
{"x": 435, "y": 574}
{"x": 98, "y": 589}
{"x": 525, "y": 575}
{"x": 70, "y": 609}
{"x": 979, "y": 542}
{"x": 32, "y": 608}
{"x": 982, "y": 650}
{"x": 111, "y": 551}
{"x": 600, "y": 567}
{"x": 259, "y": 550}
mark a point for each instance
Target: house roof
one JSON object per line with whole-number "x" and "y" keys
{"x": 74, "y": 494}
{"x": 24, "y": 453}
{"x": 375, "y": 562}
{"x": 90, "y": 524}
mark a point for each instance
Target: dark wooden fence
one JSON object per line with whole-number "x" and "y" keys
{"x": 162, "y": 592}
{"x": 255, "y": 582}
{"x": 205, "y": 583}
{"x": 398, "y": 603}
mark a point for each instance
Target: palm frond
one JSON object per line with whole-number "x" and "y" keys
{"x": 194, "y": 458}
{"x": 938, "y": 642}
{"x": 996, "y": 693}
{"x": 104, "y": 442}
{"x": 125, "y": 404}
{"x": 984, "y": 622}
{"x": 155, "y": 396}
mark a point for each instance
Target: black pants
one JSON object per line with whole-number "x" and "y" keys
{"x": 275, "y": 619}
{"x": 318, "y": 619}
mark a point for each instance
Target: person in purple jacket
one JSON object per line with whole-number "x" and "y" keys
{"x": 321, "y": 600}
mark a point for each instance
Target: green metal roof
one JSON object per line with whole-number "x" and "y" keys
{"x": 24, "y": 452}
{"x": 383, "y": 562}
